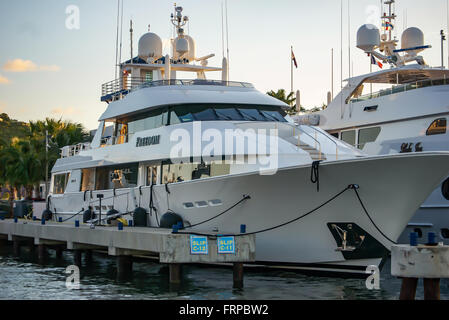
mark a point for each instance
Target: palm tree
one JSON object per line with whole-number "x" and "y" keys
{"x": 61, "y": 133}
{"x": 23, "y": 162}
{"x": 288, "y": 99}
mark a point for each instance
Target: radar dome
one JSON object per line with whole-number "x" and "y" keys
{"x": 190, "y": 54}
{"x": 150, "y": 46}
{"x": 182, "y": 46}
{"x": 412, "y": 37}
{"x": 368, "y": 37}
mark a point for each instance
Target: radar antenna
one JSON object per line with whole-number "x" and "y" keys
{"x": 412, "y": 40}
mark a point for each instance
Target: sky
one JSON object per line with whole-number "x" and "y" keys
{"x": 53, "y": 66}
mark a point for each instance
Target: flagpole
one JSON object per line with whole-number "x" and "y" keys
{"x": 291, "y": 69}
{"x": 371, "y": 84}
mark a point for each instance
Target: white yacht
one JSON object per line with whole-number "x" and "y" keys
{"x": 222, "y": 157}
{"x": 408, "y": 112}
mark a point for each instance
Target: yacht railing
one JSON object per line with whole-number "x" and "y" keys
{"x": 326, "y": 136}
{"x": 117, "y": 88}
{"x": 73, "y": 150}
{"x": 314, "y": 138}
{"x": 401, "y": 88}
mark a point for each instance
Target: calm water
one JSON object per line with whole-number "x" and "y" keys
{"x": 24, "y": 278}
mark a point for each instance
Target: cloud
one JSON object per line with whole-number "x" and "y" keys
{"x": 19, "y": 65}
{"x": 63, "y": 111}
{"x": 4, "y": 80}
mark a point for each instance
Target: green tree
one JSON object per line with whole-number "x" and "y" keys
{"x": 289, "y": 99}
{"x": 23, "y": 160}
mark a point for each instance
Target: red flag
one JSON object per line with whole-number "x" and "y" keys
{"x": 294, "y": 60}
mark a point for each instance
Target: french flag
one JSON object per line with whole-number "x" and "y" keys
{"x": 374, "y": 61}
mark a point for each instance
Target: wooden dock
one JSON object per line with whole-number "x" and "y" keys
{"x": 173, "y": 249}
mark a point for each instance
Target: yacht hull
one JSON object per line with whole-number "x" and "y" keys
{"x": 391, "y": 188}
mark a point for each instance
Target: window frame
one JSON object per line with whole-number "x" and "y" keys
{"x": 437, "y": 133}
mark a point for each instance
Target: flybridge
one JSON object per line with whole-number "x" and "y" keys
{"x": 152, "y": 68}
{"x": 117, "y": 89}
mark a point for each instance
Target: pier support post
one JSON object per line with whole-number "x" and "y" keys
{"x": 42, "y": 252}
{"x": 124, "y": 266}
{"x": 175, "y": 270}
{"x": 78, "y": 257}
{"x": 59, "y": 251}
{"x": 431, "y": 289}
{"x": 31, "y": 246}
{"x": 88, "y": 256}
{"x": 238, "y": 275}
{"x": 408, "y": 288}
{"x": 16, "y": 247}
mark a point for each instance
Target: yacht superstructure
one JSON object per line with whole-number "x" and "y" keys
{"x": 408, "y": 112}
{"x": 219, "y": 155}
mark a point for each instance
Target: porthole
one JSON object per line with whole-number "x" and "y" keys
{"x": 201, "y": 204}
{"x": 215, "y": 202}
{"x": 188, "y": 205}
{"x": 445, "y": 189}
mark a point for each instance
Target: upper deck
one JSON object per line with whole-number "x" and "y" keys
{"x": 117, "y": 89}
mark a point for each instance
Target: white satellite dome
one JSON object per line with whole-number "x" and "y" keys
{"x": 150, "y": 46}
{"x": 368, "y": 37}
{"x": 191, "y": 53}
{"x": 182, "y": 45}
{"x": 412, "y": 37}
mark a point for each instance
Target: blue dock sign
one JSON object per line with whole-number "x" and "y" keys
{"x": 198, "y": 245}
{"x": 226, "y": 244}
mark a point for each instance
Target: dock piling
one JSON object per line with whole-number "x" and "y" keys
{"x": 42, "y": 252}
{"x": 408, "y": 289}
{"x": 59, "y": 251}
{"x": 238, "y": 275}
{"x": 16, "y": 247}
{"x": 175, "y": 270}
{"x": 88, "y": 256}
{"x": 431, "y": 289}
{"x": 124, "y": 266}
{"x": 78, "y": 257}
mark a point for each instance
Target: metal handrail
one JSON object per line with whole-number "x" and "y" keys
{"x": 401, "y": 88}
{"x": 335, "y": 142}
{"x": 125, "y": 85}
{"x": 73, "y": 150}
{"x": 307, "y": 134}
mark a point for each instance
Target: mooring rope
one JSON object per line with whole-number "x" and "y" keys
{"x": 315, "y": 174}
{"x": 350, "y": 187}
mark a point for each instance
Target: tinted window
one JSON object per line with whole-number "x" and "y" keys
{"x": 220, "y": 112}
{"x": 437, "y": 127}
{"x": 229, "y": 114}
{"x": 60, "y": 183}
{"x": 252, "y": 115}
{"x": 87, "y": 179}
{"x": 348, "y": 137}
{"x": 172, "y": 173}
{"x": 148, "y": 120}
{"x": 116, "y": 177}
{"x": 368, "y": 135}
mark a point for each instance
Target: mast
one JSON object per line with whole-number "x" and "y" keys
{"x": 131, "y": 38}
